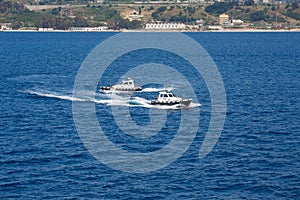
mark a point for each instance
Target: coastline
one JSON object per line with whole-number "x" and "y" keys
{"x": 218, "y": 31}
{"x": 156, "y": 30}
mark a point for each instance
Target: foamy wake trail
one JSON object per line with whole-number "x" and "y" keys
{"x": 194, "y": 105}
{"x": 114, "y": 100}
{"x": 66, "y": 97}
{"x": 140, "y": 102}
{"x": 54, "y": 95}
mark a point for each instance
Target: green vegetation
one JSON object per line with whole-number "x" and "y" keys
{"x": 182, "y": 14}
{"x": 258, "y": 16}
{"x": 114, "y": 16}
{"x": 219, "y": 8}
{"x": 293, "y": 15}
{"x": 62, "y": 18}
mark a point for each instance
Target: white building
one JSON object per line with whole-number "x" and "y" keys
{"x": 5, "y": 26}
{"x": 224, "y": 20}
{"x": 165, "y": 26}
{"x": 214, "y": 27}
{"x": 134, "y": 15}
{"x": 45, "y": 29}
{"x": 88, "y": 29}
{"x": 267, "y": 1}
{"x": 236, "y": 22}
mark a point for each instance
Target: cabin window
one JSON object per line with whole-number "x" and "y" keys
{"x": 170, "y": 95}
{"x": 165, "y": 95}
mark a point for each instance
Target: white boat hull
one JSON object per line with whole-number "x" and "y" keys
{"x": 184, "y": 102}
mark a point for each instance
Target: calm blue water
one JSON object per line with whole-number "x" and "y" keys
{"x": 256, "y": 157}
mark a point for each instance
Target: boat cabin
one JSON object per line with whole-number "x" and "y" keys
{"x": 168, "y": 98}
{"x": 127, "y": 82}
{"x": 124, "y": 85}
{"x": 166, "y": 95}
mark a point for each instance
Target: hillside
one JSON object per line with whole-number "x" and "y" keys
{"x": 85, "y": 15}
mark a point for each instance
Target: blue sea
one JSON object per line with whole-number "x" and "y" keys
{"x": 43, "y": 155}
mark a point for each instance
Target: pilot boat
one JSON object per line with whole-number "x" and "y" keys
{"x": 168, "y": 98}
{"x": 124, "y": 85}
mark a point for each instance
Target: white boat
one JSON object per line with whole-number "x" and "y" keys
{"x": 168, "y": 98}
{"x": 124, "y": 85}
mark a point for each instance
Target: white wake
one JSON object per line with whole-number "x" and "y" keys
{"x": 111, "y": 99}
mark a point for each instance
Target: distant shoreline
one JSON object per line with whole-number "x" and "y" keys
{"x": 157, "y": 31}
{"x": 217, "y": 31}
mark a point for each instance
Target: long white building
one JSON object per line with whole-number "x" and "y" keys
{"x": 89, "y": 29}
{"x": 165, "y": 26}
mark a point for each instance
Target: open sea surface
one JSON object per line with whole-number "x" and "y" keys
{"x": 256, "y": 157}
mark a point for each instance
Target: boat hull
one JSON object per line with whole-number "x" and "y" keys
{"x": 184, "y": 102}
{"x": 107, "y": 88}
